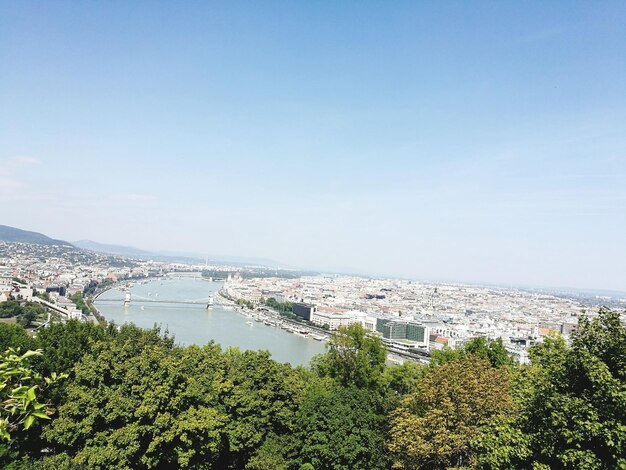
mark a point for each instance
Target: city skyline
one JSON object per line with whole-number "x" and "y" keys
{"x": 470, "y": 143}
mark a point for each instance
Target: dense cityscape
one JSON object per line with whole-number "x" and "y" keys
{"x": 408, "y": 315}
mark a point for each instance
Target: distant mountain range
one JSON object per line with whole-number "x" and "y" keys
{"x": 120, "y": 250}
{"x": 12, "y": 234}
{"x": 16, "y": 235}
{"x": 170, "y": 256}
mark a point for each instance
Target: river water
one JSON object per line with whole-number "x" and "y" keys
{"x": 194, "y": 324}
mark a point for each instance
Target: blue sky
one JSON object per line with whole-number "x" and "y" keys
{"x": 468, "y": 141}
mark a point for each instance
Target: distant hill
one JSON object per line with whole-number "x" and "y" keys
{"x": 166, "y": 256}
{"x": 12, "y": 234}
{"x": 128, "y": 251}
{"x": 224, "y": 259}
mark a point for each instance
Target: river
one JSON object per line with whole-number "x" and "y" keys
{"x": 194, "y": 324}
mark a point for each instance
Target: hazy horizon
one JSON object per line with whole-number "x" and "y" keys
{"x": 476, "y": 142}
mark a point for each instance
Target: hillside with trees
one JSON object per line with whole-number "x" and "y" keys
{"x": 12, "y": 234}
{"x": 127, "y": 398}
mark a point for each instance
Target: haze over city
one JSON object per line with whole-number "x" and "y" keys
{"x": 465, "y": 142}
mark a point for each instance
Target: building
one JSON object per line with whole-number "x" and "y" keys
{"x": 5, "y": 275}
{"x": 333, "y": 320}
{"x": 417, "y": 333}
{"x": 304, "y": 311}
{"x": 394, "y": 330}
{"x": 380, "y": 324}
{"x": 369, "y": 323}
{"x": 280, "y": 297}
{"x": 407, "y": 331}
{"x": 62, "y": 290}
{"x": 440, "y": 342}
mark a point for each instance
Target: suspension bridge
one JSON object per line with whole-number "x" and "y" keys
{"x": 207, "y": 301}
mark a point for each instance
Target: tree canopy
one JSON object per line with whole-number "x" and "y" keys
{"x": 132, "y": 398}
{"x": 435, "y": 425}
{"x": 354, "y": 358}
{"x": 572, "y": 403}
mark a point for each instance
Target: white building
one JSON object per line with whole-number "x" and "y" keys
{"x": 333, "y": 320}
{"x": 5, "y": 275}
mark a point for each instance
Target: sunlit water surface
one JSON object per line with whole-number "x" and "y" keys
{"x": 194, "y": 324}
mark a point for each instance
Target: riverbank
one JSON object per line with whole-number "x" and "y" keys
{"x": 271, "y": 317}
{"x": 181, "y": 311}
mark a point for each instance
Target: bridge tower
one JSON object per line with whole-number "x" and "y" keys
{"x": 127, "y": 299}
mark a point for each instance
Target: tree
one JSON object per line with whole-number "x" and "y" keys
{"x": 10, "y": 308}
{"x": 403, "y": 378}
{"x": 354, "y": 358}
{"x": 66, "y": 343}
{"x": 135, "y": 403}
{"x": 19, "y": 390}
{"x": 271, "y": 455}
{"x": 14, "y": 336}
{"x": 434, "y": 426}
{"x": 26, "y": 318}
{"x": 572, "y": 403}
{"x": 24, "y": 314}
{"x": 494, "y": 351}
{"x": 445, "y": 355}
{"x": 575, "y": 411}
{"x": 338, "y": 427}
{"x": 77, "y": 298}
{"x": 261, "y": 398}
{"x": 138, "y": 401}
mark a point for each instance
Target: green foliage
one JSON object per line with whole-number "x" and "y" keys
{"x": 338, "y": 427}
{"x": 284, "y": 308}
{"x": 262, "y": 399}
{"x": 42, "y": 295}
{"x": 445, "y": 355}
{"x": 271, "y": 455}
{"x": 575, "y": 411}
{"x": 15, "y": 336}
{"x": 26, "y": 318}
{"x": 19, "y": 390}
{"x": 216, "y": 274}
{"x": 605, "y": 339}
{"x": 66, "y": 343}
{"x": 25, "y": 314}
{"x": 493, "y": 351}
{"x": 572, "y": 404}
{"x": 258, "y": 273}
{"x": 95, "y": 285}
{"x": 77, "y": 298}
{"x": 354, "y": 358}
{"x": 245, "y": 303}
{"x": 130, "y": 406}
{"x": 502, "y": 445}
{"x": 402, "y": 379}
{"x": 434, "y": 427}
{"x": 10, "y": 308}
{"x": 136, "y": 400}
